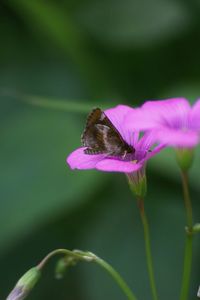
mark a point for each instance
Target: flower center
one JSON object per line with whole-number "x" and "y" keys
{"x": 134, "y": 161}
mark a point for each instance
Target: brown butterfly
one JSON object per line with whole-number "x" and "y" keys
{"x": 101, "y": 137}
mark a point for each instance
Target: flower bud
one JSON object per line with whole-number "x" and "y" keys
{"x": 184, "y": 158}
{"x": 25, "y": 284}
{"x": 198, "y": 293}
{"x": 63, "y": 264}
{"x": 196, "y": 228}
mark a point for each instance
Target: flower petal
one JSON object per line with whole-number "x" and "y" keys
{"x": 195, "y": 116}
{"x": 147, "y": 140}
{"x": 114, "y": 165}
{"x": 172, "y": 103}
{"x": 117, "y": 116}
{"x": 79, "y": 160}
{"x": 177, "y": 137}
{"x": 156, "y": 150}
{"x": 170, "y": 113}
{"x": 174, "y": 111}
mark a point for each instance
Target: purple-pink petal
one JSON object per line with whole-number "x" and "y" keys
{"x": 147, "y": 140}
{"x": 194, "y": 117}
{"x": 113, "y": 165}
{"x": 79, "y": 160}
{"x": 117, "y": 117}
{"x": 169, "y": 104}
{"x": 177, "y": 137}
{"x": 140, "y": 119}
{"x": 172, "y": 112}
{"x": 18, "y": 293}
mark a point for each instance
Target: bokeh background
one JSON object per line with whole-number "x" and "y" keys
{"x": 58, "y": 60}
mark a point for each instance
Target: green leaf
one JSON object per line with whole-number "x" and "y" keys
{"x": 37, "y": 184}
{"x": 49, "y": 21}
{"x": 63, "y": 105}
{"x": 133, "y": 23}
{"x": 54, "y": 22}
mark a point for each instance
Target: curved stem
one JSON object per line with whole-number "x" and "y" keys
{"x": 147, "y": 248}
{"x": 90, "y": 257}
{"x": 189, "y": 238}
{"x": 116, "y": 276}
{"x": 55, "y": 252}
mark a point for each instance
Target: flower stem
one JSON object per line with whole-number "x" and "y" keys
{"x": 147, "y": 247}
{"x": 189, "y": 238}
{"x": 53, "y": 253}
{"x": 90, "y": 257}
{"x": 115, "y": 275}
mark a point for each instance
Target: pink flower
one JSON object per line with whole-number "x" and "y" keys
{"x": 132, "y": 162}
{"x": 173, "y": 122}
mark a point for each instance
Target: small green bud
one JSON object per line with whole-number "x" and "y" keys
{"x": 25, "y": 284}
{"x": 63, "y": 264}
{"x": 60, "y": 268}
{"x": 184, "y": 158}
{"x": 196, "y": 228}
{"x": 198, "y": 293}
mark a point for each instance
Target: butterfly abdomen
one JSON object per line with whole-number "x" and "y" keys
{"x": 92, "y": 151}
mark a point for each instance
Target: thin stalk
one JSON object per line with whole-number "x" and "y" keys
{"x": 147, "y": 248}
{"x": 45, "y": 260}
{"x": 90, "y": 257}
{"x": 189, "y": 238}
{"x": 118, "y": 279}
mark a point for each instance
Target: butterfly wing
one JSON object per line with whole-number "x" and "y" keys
{"x": 100, "y": 136}
{"x": 91, "y": 138}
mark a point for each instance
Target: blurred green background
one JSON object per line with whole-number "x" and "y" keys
{"x": 85, "y": 54}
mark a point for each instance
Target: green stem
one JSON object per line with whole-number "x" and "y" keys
{"x": 116, "y": 276}
{"x": 189, "y": 238}
{"x": 41, "y": 265}
{"x": 90, "y": 257}
{"x": 147, "y": 247}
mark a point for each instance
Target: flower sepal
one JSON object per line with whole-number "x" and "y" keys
{"x": 184, "y": 157}
{"x": 138, "y": 183}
